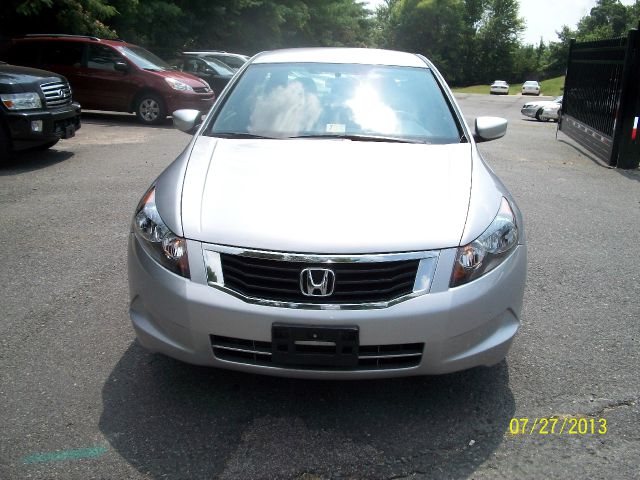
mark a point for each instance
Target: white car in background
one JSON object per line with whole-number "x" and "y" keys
{"x": 551, "y": 112}
{"x": 536, "y": 109}
{"x": 499, "y": 87}
{"x": 530, "y": 87}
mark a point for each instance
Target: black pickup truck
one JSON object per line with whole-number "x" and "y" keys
{"x": 36, "y": 109}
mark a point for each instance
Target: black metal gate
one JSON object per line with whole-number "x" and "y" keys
{"x": 601, "y": 100}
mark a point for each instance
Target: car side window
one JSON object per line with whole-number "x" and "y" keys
{"x": 204, "y": 66}
{"x": 103, "y": 57}
{"x": 62, "y": 53}
{"x": 25, "y": 53}
{"x": 192, "y": 65}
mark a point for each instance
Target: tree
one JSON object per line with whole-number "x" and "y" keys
{"x": 608, "y": 19}
{"x": 87, "y": 17}
{"x": 558, "y": 52}
{"x": 431, "y": 27}
{"x": 499, "y": 38}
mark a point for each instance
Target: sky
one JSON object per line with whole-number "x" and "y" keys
{"x": 544, "y": 17}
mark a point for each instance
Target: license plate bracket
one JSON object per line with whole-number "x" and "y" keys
{"x": 315, "y": 345}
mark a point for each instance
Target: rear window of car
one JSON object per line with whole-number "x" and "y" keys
{"x": 322, "y": 100}
{"x": 233, "y": 62}
{"x": 531, "y": 84}
{"x": 25, "y": 53}
{"x": 62, "y": 53}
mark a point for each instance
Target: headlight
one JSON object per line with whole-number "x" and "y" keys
{"x": 161, "y": 243}
{"x": 178, "y": 85}
{"x": 488, "y": 250}
{"x": 21, "y": 101}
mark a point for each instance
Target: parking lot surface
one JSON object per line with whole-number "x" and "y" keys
{"x": 80, "y": 399}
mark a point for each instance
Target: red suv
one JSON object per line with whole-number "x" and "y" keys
{"x": 114, "y": 75}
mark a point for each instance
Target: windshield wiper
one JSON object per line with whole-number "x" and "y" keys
{"x": 238, "y": 135}
{"x": 362, "y": 138}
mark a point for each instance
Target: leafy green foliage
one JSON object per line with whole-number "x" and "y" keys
{"x": 470, "y": 41}
{"x": 85, "y": 17}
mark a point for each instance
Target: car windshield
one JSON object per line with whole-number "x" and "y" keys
{"x": 499, "y": 82}
{"x": 319, "y": 100}
{"x": 144, "y": 59}
{"x": 219, "y": 67}
{"x": 233, "y": 62}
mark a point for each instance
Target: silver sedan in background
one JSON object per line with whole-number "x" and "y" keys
{"x": 331, "y": 218}
{"x": 536, "y": 109}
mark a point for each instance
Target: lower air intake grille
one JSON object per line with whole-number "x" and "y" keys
{"x": 370, "y": 357}
{"x": 358, "y": 282}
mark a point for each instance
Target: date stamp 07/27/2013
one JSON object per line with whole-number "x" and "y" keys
{"x": 558, "y": 426}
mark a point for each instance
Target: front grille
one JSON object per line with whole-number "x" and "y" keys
{"x": 370, "y": 357}
{"x": 201, "y": 89}
{"x": 355, "y": 283}
{"x": 56, "y": 94}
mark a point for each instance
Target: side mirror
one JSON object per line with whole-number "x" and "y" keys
{"x": 121, "y": 67}
{"x": 186, "y": 120}
{"x": 489, "y": 128}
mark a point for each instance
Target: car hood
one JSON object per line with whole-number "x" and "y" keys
{"x": 184, "y": 77}
{"x": 541, "y": 103}
{"x": 326, "y": 196}
{"x": 14, "y": 78}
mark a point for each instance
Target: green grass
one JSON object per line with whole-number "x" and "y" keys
{"x": 551, "y": 87}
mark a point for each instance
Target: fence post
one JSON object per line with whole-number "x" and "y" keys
{"x": 626, "y": 153}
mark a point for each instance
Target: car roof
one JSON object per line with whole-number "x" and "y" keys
{"x": 212, "y": 53}
{"x": 363, "y": 56}
{"x": 73, "y": 38}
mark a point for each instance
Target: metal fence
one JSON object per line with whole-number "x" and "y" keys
{"x": 601, "y": 98}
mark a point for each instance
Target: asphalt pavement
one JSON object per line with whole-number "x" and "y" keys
{"x": 80, "y": 399}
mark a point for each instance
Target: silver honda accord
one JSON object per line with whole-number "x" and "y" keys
{"x": 331, "y": 218}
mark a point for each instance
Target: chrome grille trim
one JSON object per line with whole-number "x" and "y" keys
{"x": 215, "y": 279}
{"x": 371, "y": 357}
{"x": 56, "y": 94}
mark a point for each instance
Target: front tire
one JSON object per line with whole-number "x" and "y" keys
{"x": 150, "y": 109}
{"x": 539, "y": 115}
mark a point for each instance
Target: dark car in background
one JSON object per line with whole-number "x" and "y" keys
{"x": 36, "y": 109}
{"x": 114, "y": 75}
{"x": 213, "y": 71}
{"x": 232, "y": 60}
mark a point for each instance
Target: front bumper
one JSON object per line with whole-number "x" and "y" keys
{"x": 56, "y": 124}
{"x": 529, "y": 112}
{"x": 463, "y": 327}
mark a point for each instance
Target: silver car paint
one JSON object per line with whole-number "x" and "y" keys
{"x": 462, "y": 327}
{"x": 334, "y": 196}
